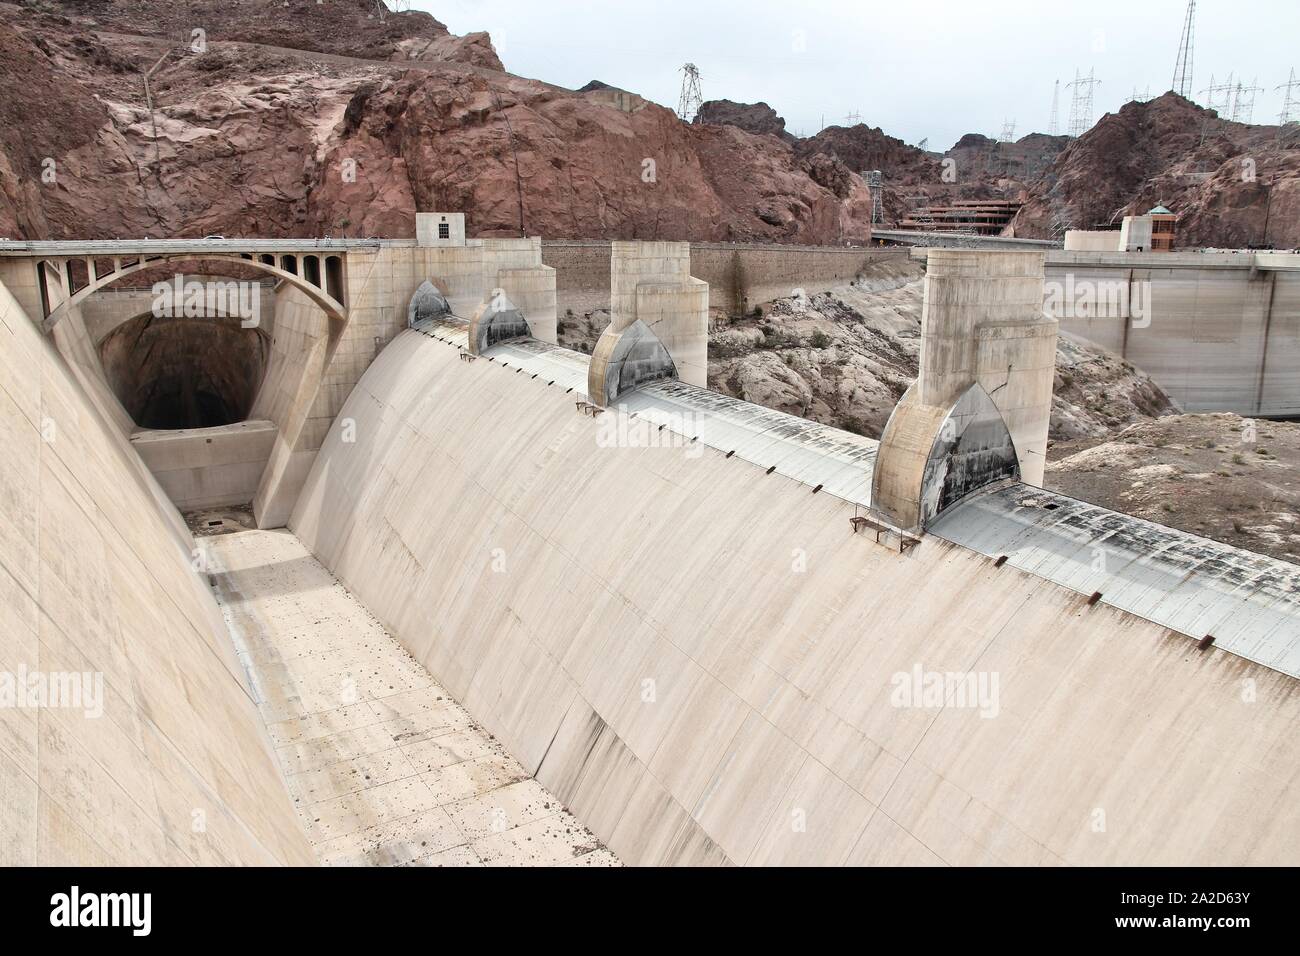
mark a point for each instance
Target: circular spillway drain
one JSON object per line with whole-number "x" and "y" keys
{"x": 172, "y": 373}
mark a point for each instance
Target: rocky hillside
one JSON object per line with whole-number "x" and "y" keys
{"x": 846, "y": 356}
{"x": 1232, "y": 185}
{"x": 756, "y": 118}
{"x": 292, "y": 117}
{"x": 1004, "y": 167}
{"x": 322, "y": 119}
{"x": 977, "y": 166}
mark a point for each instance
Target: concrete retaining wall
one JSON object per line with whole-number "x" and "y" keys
{"x": 706, "y": 666}
{"x": 96, "y": 580}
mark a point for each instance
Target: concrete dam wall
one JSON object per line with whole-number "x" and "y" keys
{"x": 131, "y": 737}
{"x": 1217, "y": 332}
{"x": 706, "y": 665}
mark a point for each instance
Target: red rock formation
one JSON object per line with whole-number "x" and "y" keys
{"x": 751, "y": 117}
{"x": 1224, "y": 179}
{"x": 327, "y": 119}
{"x": 257, "y": 139}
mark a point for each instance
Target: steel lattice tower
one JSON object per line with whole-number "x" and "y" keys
{"x": 1081, "y": 105}
{"x": 692, "y": 99}
{"x": 1054, "y": 127}
{"x": 1290, "y": 103}
{"x": 1182, "y": 84}
{"x": 1218, "y": 96}
{"x": 875, "y": 182}
{"x": 1243, "y": 102}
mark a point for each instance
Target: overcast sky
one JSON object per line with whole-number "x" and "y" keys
{"x": 932, "y": 68}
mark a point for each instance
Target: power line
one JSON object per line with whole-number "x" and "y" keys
{"x": 398, "y": 6}
{"x": 876, "y": 185}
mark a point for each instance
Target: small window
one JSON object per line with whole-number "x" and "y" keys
{"x": 444, "y": 230}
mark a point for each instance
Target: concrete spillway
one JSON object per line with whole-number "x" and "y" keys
{"x": 153, "y": 752}
{"x": 705, "y": 664}
{"x": 665, "y": 604}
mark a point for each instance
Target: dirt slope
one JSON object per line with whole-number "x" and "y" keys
{"x": 1221, "y": 476}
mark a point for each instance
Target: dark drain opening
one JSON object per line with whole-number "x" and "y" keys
{"x": 185, "y": 372}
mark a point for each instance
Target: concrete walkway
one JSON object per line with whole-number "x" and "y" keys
{"x": 384, "y": 766}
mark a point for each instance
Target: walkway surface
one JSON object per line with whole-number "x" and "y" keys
{"x": 384, "y": 766}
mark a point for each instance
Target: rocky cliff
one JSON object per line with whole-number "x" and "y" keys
{"x": 149, "y": 117}
{"x": 751, "y": 117}
{"x": 1231, "y": 184}
{"x": 324, "y": 119}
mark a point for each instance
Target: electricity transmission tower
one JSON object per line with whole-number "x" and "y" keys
{"x": 853, "y": 118}
{"x": 876, "y": 184}
{"x": 1243, "y": 102}
{"x": 692, "y": 99}
{"x": 1144, "y": 97}
{"x": 1218, "y": 96}
{"x": 1182, "y": 84}
{"x": 1081, "y": 104}
{"x": 1008, "y": 134}
{"x": 383, "y": 9}
{"x": 1290, "y": 102}
{"x": 1054, "y": 127}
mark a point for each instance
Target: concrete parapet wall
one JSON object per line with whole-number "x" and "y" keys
{"x": 691, "y": 708}
{"x": 742, "y": 276}
{"x": 1081, "y": 240}
{"x": 97, "y": 585}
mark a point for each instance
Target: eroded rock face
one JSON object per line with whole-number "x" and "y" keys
{"x": 327, "y": 119}
{"x": 1222, "y": 178}
{"x": 250, "y": 138}
{"x": 758, "y": 118}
